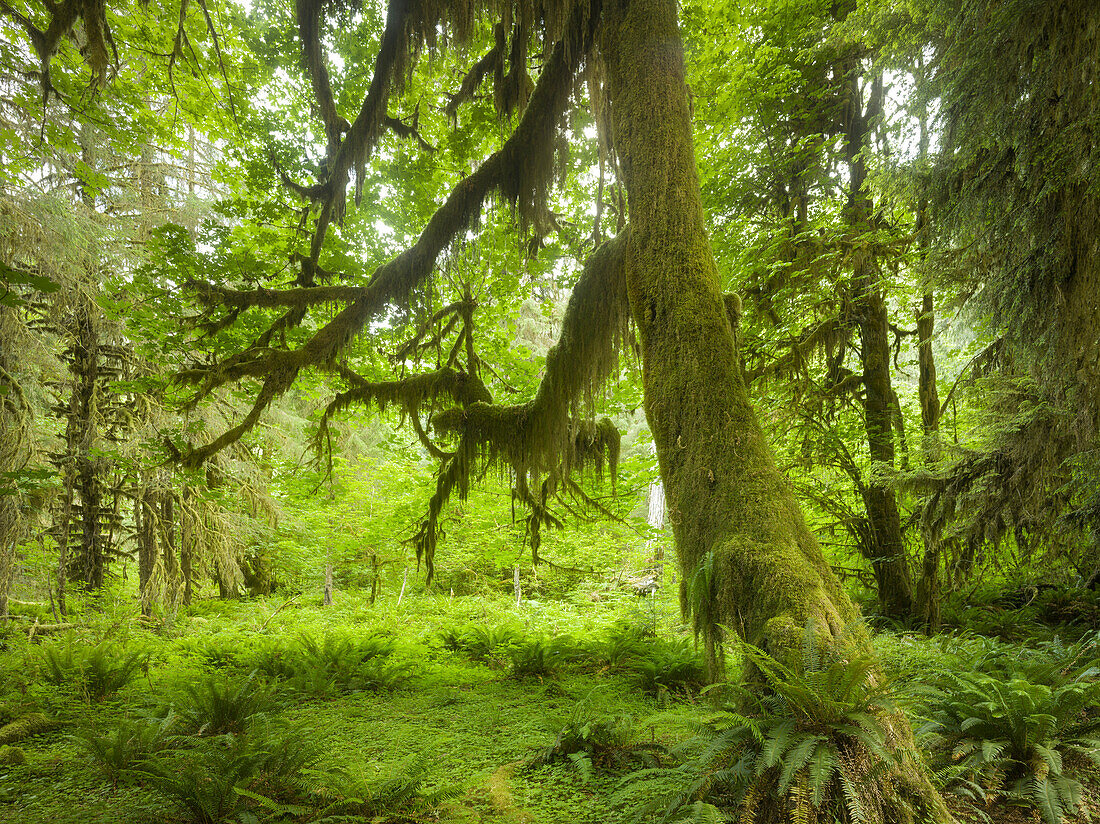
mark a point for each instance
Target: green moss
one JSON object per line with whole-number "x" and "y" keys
{"x": 28, "y": 725}
{"x": 12, "y": 756}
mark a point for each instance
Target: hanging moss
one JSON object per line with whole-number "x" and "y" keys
{"x": 546, "y": 440}
{"x": 490, "y": 63}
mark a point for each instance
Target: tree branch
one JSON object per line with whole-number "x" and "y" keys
{"x": 520, "y": 171}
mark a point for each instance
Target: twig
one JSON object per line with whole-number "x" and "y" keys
{"x": 278, "y": 609}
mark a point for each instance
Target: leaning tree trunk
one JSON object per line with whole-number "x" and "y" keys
{"x": 748, "y": 560}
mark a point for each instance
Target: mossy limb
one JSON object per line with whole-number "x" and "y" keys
{"x": 26, "y": 726}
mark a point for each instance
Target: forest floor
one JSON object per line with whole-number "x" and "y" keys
{"x": 469, "y": 726}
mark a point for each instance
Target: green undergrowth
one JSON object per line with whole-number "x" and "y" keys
{"x": 278, "y": 710}
{"x": 479, "y": 709}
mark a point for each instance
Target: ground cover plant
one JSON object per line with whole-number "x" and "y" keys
{"x": 475, "y": 732}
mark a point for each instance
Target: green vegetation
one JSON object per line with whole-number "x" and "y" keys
{"x": 523, "y": 412}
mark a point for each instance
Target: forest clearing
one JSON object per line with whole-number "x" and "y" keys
{"x": 550, "y": 410}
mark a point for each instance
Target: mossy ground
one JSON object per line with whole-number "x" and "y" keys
{"x": 476, "y": 722}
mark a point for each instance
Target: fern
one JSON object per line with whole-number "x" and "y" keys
{"x": 133, "y": 741}
{"x": 1014, "y": 738}
{"x": 335, "y": 664}
{"x": 542, "y": 656}
{"x": 231, "y": 777}
{"x": 488, "y": 645}
{"x": 398, "y": 797}
{"x": 667, "y": 668}
{"x": 93, "y": 672}
{"x": 599, "y": 742}
{"x": 225, "y": 706}
{"x": 799, "y": 745}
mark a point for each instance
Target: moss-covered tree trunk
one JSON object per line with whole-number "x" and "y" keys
{"x": 82, "y": 511}
{"x": 748, "y": 560}
{"x": 886, "y": 550}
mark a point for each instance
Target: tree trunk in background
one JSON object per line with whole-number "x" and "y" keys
{"x": 167, "y": 532}
{"x": 187, "y": 542}
{"x": 80, "y": 510}
{"x": 928, "y": 587}
{"x": 887, "y": 550}
{"x": 145, "y": 520}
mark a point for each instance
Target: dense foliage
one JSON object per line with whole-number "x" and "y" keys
{"x": 496, "y": 410}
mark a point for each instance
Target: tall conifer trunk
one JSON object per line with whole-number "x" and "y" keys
{"x": 887, "y": 549}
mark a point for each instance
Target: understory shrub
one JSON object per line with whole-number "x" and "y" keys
{"x": 93, "y": 672}
{"x": 1009, "y": 737}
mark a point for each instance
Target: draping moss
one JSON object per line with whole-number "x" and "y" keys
{"x": 545, "y": 441}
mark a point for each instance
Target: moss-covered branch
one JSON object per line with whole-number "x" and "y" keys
{"x": 211, "y": 295}
{"x": 414, "y": 394}
{"x": 547, "y": 439}
{"x": 520, "y": 171}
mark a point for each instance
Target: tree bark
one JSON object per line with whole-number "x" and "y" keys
{"x": 747, "y": 559}
{"x": 887, "y": 550}
{"x": 167, "y": 532}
